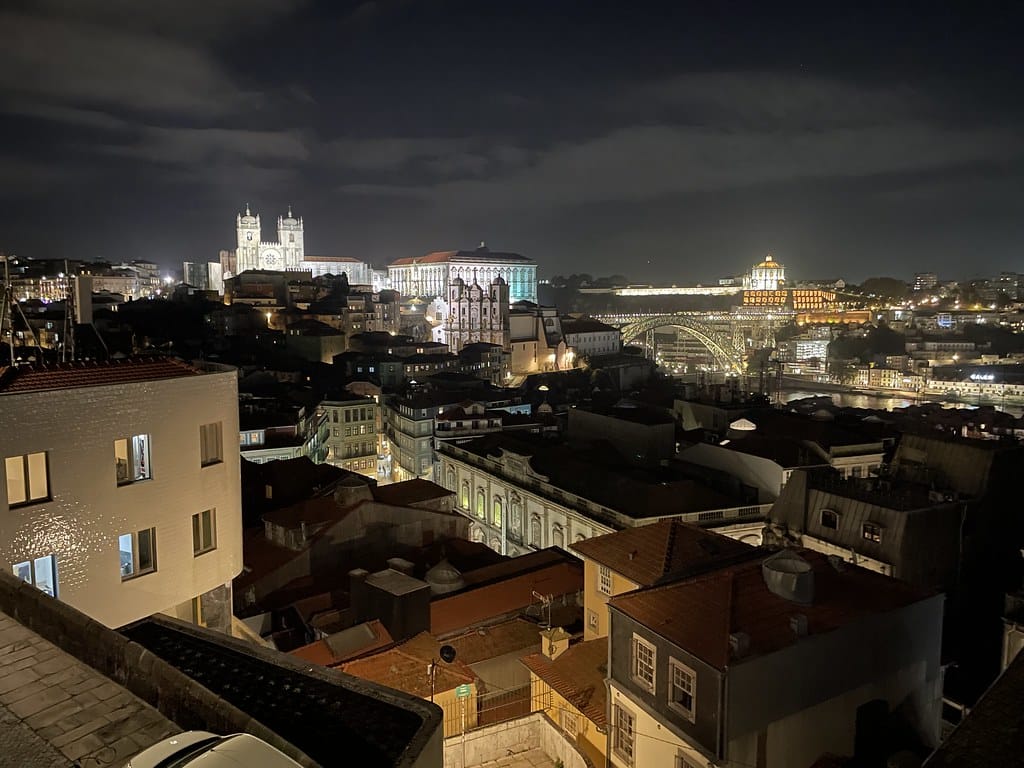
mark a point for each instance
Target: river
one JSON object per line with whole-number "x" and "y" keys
{"x": 888, "y": 402}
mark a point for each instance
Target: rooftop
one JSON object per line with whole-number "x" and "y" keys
{"x": 650, "y": 554}
{"x": 409, "y": 492}
{"x": 701, "y": 613}
{"x": 36, "y": 378}
{"x": 346, "y": 645}
{"x": 993, "y": 732}
{"x": 578, "y": 676}
{"x": 314, "y": 709}
{"x": 404, "y": 667}
{"x": 482, "y": 254}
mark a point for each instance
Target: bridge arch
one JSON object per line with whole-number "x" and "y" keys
{"x": 726, "y": 353}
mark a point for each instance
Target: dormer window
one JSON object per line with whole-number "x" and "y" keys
{"x": 830, "y": 519}
{"x": 872, "y": 532}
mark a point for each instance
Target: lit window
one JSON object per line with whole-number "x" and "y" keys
{"x": 643, "y": 663}
{"x": 682, "y": 690}
{"x": 41, "y": 573}
{"x": 131, "y": 458}
{"x": 873, "y": 532}
{"x": 496, "y": 510}
{"x": 481, "y": 503}
{"x": 211, "y": 444}
{"x": 829, "y": 519}
{"x": 28, "y": 479}
{"x": 604, "y": 580}
{"x": 625, "y": 734}
{"x": 138, "y": 553}
{"x": 204, "y": 532}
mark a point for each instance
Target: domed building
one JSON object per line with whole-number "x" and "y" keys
{"x": 769, "y": 275}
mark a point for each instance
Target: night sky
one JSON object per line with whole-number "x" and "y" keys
{"x": 670, "y": 142}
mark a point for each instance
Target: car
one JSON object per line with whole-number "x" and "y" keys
{"x": 200, "y": 749}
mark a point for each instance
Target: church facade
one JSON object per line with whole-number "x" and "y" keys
{"x": 286, "y": 254}
{"x": 477, "y": 313}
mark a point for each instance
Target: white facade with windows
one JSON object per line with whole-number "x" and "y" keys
{"x": 118, "y": 494}
{"x": 284, "y": 255}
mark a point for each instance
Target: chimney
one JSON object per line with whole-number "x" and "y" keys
{"x": 357, "y": 602}
{"x": 739, "y": 644}
{"x": 554, "y": 642}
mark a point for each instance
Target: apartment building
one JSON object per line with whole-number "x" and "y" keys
{"x": 353, "y": 440}
{"x": 119, "y": 486}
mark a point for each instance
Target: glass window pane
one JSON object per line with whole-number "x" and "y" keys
{"x": 16, "y": 490}
{"x": 23, "y": 571}
{"x": 37, "y": 482}
{"x": 121, "y": 460}
{"x": 124, "y": 546}
{"x": 44, "y": 575}
{"x": 140, "y": 457}
{"x": 146, "y": 544}
{"x": 208, "y": 529}
{"x": 197, "y": 543}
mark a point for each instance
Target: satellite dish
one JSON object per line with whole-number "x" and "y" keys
{"x": 447, "y": 653}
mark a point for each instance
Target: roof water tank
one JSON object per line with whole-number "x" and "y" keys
{"x": 789, "y": 576}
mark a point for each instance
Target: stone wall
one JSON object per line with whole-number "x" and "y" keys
{"x": 534, "y": 731}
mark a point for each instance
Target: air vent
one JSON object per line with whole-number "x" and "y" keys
{"x": 789, "y": 576}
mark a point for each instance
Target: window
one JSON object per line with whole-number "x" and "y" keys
{"x": 204, "y": 532}
{"x": 682, "y": 689}
{"x": 592, "y": 619}
{"x": 604, "y": 579}
{"x": 41, "y": 573}
{"x": 535, "y": 532}
{"x": 138, "y": 553}
{"x": 643, "y": 663}
{"x": 28, "y": 479}
{"x": 211, "y": 444}
{"x": 873, "y": 532}
{"x": 131, "y": 458}
{"x": 624, "y": 736}
{"x": 856, "y": 471}
{"x": 570, "y": 723}
{"x": 829, "y": 519}
{"x": 481, "y": 503}
{"x": 682, "y": 761}
{"x": 464, "y": 498}
{"x": 496, "y": 509}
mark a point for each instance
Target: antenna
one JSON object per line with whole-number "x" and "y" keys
{"x": 545, "y": 603}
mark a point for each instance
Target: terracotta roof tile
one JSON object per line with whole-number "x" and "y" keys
{"x": 650, "y": 554}
{"x": 578, "y": 676}
{"x": 409, "y": 492}
{"x": 347, "y": 644}
{"x": 91, "y": 374}
{"x": 700, "y": 614}
{"x": 404, "y": 667}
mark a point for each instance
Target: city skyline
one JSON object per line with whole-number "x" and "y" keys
{"x": 670, "y": 147}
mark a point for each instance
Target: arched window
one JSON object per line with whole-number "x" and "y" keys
{"x": 464, "y": 500}
{"x": 481, "y": 503}
{"x": 516, "y": 522}
{"x": 477, "y": 535}
{"x": 452, "y": 482}
{"x": 535, "y": 532}
{"x": 557, "y": 536}
{"x": 496, "y": 544}
{"x": 579, "y": 537}
{"x": 496, "y": 510}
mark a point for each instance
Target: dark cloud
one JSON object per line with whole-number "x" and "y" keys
{"x": 575, "y": 132}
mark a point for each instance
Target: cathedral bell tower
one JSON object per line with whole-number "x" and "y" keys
{"x": 289, "y": 235}
{"x": 248, "y": 228}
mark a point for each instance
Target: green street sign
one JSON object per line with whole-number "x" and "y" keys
{"x": 462, "y": 691}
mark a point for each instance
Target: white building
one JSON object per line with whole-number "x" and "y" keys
{"x": 252, "y": 252}
{"x": 430, "y": 275}
{"x": 119, "y": 487}
{"x": 476, "y": 313}
{"x": 591, "y": 338}
{"x": 768, "y": 275}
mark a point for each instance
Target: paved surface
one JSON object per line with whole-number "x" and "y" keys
{"x": 54, "y": 710}
{"x": 531, "y": 758}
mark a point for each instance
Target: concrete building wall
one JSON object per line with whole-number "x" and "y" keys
{"x": 87, "y": 510}
{"x": 588, "y": 739}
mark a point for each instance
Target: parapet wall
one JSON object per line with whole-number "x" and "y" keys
{"x": 177, "y": 696}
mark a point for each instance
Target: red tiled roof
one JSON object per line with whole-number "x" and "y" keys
{"x": 648, "y": 554}
{"x": 437, "y": 257}
{"x": 578, "y": 676}
{"x": 405, "y": 667}
{"x": 347, "y": 644}
{"x": 700, "y": 614}
{"x": 37, "y": 378}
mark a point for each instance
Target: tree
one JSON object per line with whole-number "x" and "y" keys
{"x": 885, "y": 287}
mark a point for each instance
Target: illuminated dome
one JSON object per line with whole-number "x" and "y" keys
{"x": 768, "y": 275}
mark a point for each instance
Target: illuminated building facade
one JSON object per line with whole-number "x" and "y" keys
{"x": 476, "y": 313}
{"x": 284, "y": 255}
{"x": 769, "y": 275}
{"x": 119, "y": 487}
{"x": 431, "y": 275}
